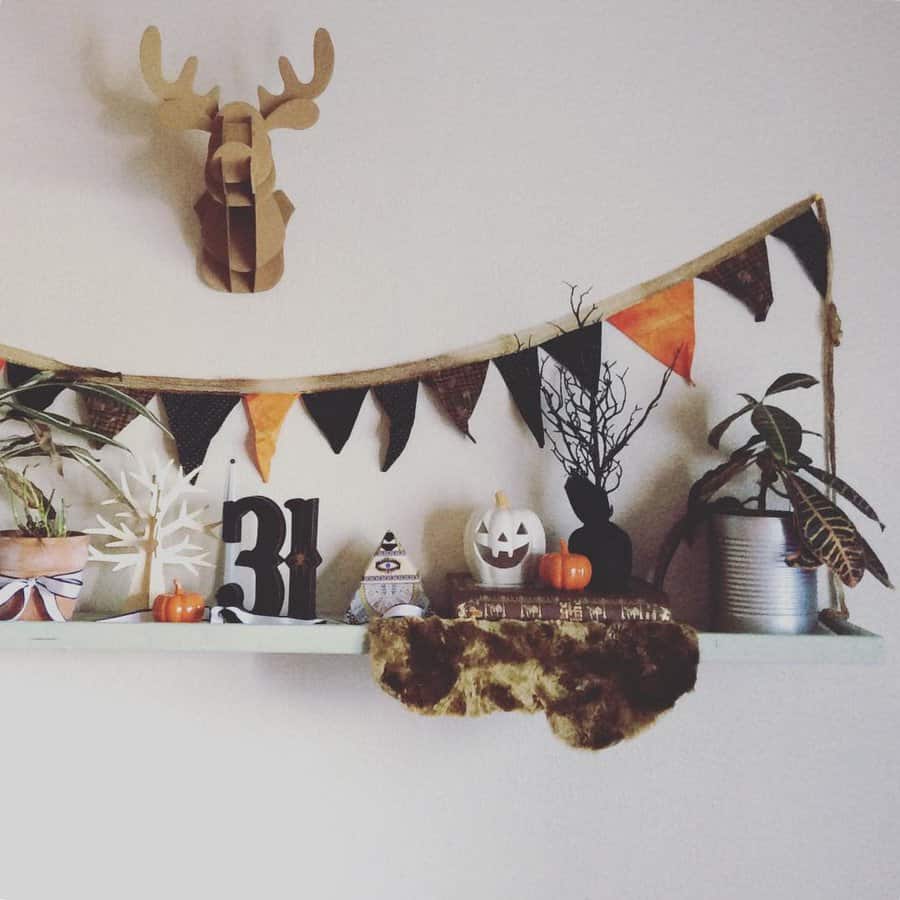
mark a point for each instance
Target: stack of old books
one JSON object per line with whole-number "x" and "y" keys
{"x": 639, "y": 602}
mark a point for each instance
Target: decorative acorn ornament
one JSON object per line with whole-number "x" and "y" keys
{"x": 565, "y": 571}
{"x": 503, "y": 545}
{"x": 179, "y": 606}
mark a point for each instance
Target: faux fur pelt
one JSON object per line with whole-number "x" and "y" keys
{"x": 596, "y": 683}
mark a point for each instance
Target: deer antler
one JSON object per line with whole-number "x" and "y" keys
{"x": 294, "y": 107}
{"x": 181, "y": 107}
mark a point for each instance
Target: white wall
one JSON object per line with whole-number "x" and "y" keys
{"x": 468, "y": 160}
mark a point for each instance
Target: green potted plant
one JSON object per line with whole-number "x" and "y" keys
{"x": 763, "y": 559}
{"x": 41, "y": 560}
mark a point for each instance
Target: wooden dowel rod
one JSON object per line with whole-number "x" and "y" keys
{"x": 499, "y": 346}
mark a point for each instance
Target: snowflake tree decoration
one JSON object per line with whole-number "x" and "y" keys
{"x": 144, "y": 538}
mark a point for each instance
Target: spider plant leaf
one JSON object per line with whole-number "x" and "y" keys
{"x": 24, "y": 489}
{"x": 789, "y": 382}
{"x": 63, "y": 423}
{"x": 781, "y": 431}
{"x": 84, "y": 458}
{"x": 715, "y": 436}
{"x": 844, "y": 489}
{"x": 826, "y": 532}
{"x": 110, "y": 393}
{"x": 874, "y": 564}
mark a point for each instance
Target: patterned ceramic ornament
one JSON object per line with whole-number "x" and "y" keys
{"x": 390, "y": 587}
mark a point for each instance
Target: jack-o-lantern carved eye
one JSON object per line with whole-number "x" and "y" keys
{"x": 522, "y": 529}
{"x": 482, "y": 528}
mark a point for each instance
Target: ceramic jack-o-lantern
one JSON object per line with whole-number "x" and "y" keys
{"x": 504, "y": 545}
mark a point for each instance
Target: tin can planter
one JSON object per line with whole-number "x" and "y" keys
{"x": 754, "y": 589}
{"x": 41, "y": 578}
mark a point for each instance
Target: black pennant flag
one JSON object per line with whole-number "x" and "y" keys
{"x": 36, "y": 398}
{"x": 335, "y": 413}
{"x": 746, "y": 277}
{"x": 581, "y": 352}
{"x": 805, "y": 236}
{"x": 522, "y": 374}
{"x": 194, "y": 420}
{"x": 398, "y": 401}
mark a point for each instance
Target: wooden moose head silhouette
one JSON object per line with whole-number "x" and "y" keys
{"x": 242, "y": 217}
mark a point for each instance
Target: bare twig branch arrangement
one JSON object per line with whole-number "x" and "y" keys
{"x": 590, "y": 426}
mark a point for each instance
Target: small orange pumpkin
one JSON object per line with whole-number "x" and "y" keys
{"x": 181, "y": 606}
{"x": 565, "y": 571}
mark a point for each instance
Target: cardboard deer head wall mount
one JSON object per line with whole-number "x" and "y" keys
{"x": 242, "y": 217}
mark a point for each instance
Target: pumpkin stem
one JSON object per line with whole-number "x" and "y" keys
{"x": 563, "y": 546}
{"x": 502, "y": 500}
{"x": 178, "y": 589}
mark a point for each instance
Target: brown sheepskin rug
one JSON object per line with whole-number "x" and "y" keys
{"x": 597, "y": 684}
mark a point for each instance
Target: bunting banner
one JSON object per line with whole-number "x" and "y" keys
{"x": 108, "y": 417}
{"x": 663, "y": 325}
{"x": 746, "y": 277}
{"x": 658, "y": 315}
{"x": 457, "y": 391}
{"x": 398, "y": 401}
{"x": 522, "y": 373}
{"x": 581, "y": 352}
{"x": 194, "y": 420}
{"x": 266, "y": 414}
{"x": 37, "y": 398}
{"x": 806, "y": 238}
{"x": 335, "y": 413}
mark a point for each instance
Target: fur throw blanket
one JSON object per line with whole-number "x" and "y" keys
{"x": 596, "y": 683}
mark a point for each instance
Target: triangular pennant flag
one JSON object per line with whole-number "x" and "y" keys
{"x": 38, "y": 398}
{"x": 398, "y": 401}
{"x": 335, "y": 413}
{"x": 107, "y": 416}
{"x": 266, "y": 413}
{"x": 746, "y": 276}
{"x": 663, "y": 325}
{"x": 458, "y": 390}
{"x": 522, "y": 374}
{"x": 806, "y": 237}
{"x": 194, "y": 420}
{"x": 581, "y": 352}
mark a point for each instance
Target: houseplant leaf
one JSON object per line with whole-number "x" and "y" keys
{"x": 715, "y": 436}
{"x": 781, "y": 431}
{"x": 844, "y": 489}
{"x": 63, "y": 423}
{"x": 790, "y": 382}
{"x": 825, "y": 530}
{"x": 874, "y": 564}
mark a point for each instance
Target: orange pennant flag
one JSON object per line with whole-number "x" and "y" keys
{"x": 663, "y": 325}
{"x": 266, "y": 413}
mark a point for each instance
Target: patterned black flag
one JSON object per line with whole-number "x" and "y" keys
{"x": 335, "y": 413}
{"x": 805, "y": 236}
{"x": 746, "y": 277}
{"x": 457, "y": 390}
{"x": 194, "y": 420}
{"x": 522, "y": 374}
{"x": 398, "y": 400}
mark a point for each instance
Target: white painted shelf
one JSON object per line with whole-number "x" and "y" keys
{"x": 823, "y": 646}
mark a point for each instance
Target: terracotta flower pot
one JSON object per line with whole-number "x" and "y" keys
{"x": 30, "y": 557}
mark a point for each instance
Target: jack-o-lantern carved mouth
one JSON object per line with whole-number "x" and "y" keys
{"x": 504, "y": 559}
